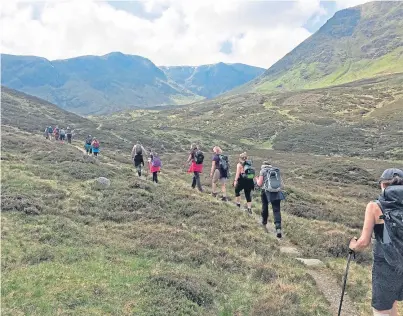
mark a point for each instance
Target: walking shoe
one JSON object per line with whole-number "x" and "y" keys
{"x": 249, "y": 210}
{"x": 278, "y": 231}
{"x": 214, "y": 194}
{"x": 224, "y": 198}
{"x": 238, "y": 204}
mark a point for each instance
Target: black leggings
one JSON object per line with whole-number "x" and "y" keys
{"x": 246, "y": 187}
{"x": 155, "y": 177}
{"x": 276, "y": 209}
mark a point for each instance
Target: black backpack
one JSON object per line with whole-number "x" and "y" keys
{"x": 391, "y": 205}
{"x": 198, "y": 157}
{"x": 223, "y": 165}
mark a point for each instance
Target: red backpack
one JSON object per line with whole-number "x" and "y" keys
{"x": 95, "y": 144}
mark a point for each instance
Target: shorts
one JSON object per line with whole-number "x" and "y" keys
{"x": 217, "y": 177}
{"x": 387, "y": 285}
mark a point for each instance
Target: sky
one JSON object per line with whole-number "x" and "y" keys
{"x": 168, "y": 32}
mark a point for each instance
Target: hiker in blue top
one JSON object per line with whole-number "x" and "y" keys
{"x": 383, "y": 218}
{"x": 87, "y": 145}
{"x": 95, "y": 147}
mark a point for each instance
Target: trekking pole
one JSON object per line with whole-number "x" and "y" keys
{"x": 351, "y": 254}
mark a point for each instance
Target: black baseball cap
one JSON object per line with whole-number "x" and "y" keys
{"x": 390, "y": 173}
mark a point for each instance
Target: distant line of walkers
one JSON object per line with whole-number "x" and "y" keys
{"x": 58, "y": 133}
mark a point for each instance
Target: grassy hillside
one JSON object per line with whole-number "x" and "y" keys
{"x": 356, "y": 43}
{"x": 362, "y": 118}
{"x": 212, "y": 80}
{"x": 94, "y": 84}
{"x": 70, "y": 246}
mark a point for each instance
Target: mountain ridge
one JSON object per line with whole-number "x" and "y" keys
{"x": 104, "y": 84}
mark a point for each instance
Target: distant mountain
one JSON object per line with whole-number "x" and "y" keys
{"x": 356, "y": 43}
{"x": 212, "y": 80}
{"x": 94, "y": 84}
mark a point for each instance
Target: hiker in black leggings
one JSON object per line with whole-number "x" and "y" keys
{"x": 274, "y": 198}
{"x": 387, "y": 269}
{"x": 242, "y": 183}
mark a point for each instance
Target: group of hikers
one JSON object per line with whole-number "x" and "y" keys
{"x": 91, "y": 146}
{"x": 154, "y": 162}
{"x": 268, "y": 180}
{"x": 58, "y": 133}
{"x": 383, "y": 218}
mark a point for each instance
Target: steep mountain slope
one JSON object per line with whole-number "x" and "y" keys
{"x": 93, "y": 84}
{"x": 212, "y": 80}
{"x": 359, "y": 42}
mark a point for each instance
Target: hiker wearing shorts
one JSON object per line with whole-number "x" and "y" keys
{"x": 383, "y": 218}
{"x": 219, "y": 174}
{"x": 196, "y": 167}
{"x": 137, "y": 157}
{"x": 272, "y": 185}
{"x": 243, "y": 183}
{"x": 62, "y": 134}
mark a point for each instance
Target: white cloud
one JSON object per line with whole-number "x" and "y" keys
{"x": 187, "y": 32}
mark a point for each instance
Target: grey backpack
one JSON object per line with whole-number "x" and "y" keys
{"x": 138, "y": 150}
{"x": 272, "y": 180}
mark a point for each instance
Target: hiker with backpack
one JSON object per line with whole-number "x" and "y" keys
{"x": 244, "y": 180}
{"x": 155, "y": 165}
{"x": 272, "y": 193}
{"x": 219, "y": 172}
{"x": 95, "y": 147}
{"x": 56, "y": 132}
{"x": 137, "y": 157}
{"x": 49, "y": 132}
{"x": 384, "y": 218}
{"x": 69, "y": 134}
{"x": 62, "y": 134}
{"x": 196, "y": 158}
{"x": 87, "y": 145}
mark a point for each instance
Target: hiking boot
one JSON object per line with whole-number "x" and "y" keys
{"x": 224, "y": 199}
{"x": 278, "y": 233}
{"x": 249, "y": 210}
{"x": 238, "y": 205}
{"x": 214, "y": 194}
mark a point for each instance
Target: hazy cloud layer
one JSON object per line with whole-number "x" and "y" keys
{"x": 169, "y": 32}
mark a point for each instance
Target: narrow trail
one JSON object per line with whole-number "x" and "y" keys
{"x": 318, "y": 271}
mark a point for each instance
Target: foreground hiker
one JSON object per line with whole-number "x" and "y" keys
{"x": 196, "y": 158}
{"x": 219, "y": 172}
{"x": 272, "y": 186}
{"x": 69, "y": 134}
{"x": 384, "y": 218}
{"x": 244, "y": 181}
{"x": 137, "y": 157}
{"x": 87, "y": 145}
{"x": 155, "y": 166}
{"x": 95, "y": 147}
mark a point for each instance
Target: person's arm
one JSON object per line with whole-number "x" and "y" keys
{"x": 259, "y": 181}
{"x": 189, "y": 158}
{"x": 238, "y": 173}
{"x": 367, "y": 230}
{"x": 212, "y": 168}
{"x": 134, "y": 147}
